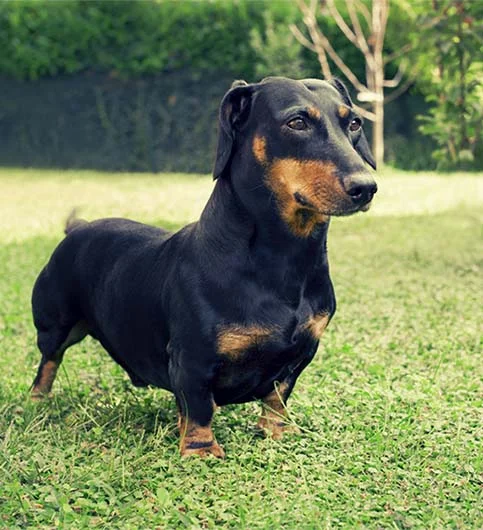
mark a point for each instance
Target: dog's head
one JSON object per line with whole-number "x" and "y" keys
{"x": 298, "y": 141}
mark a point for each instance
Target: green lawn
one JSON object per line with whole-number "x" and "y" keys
{"x": 390, "y": 411}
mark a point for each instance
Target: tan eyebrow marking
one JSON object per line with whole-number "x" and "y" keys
{"x": 314, "y": 113}
{"x": 343, "y": 111}
{"x": 259, "y": 148}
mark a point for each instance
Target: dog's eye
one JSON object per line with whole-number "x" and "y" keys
{"x": 297, "y": 124}
{"x": 355, "y": 124}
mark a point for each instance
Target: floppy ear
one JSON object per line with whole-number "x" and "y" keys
{"x": 234, "y": 111}
{"x": 362, "y": 145}
{"x": 341, "y": 88}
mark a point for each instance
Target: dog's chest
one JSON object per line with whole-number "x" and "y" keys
{"x": 235, "y": 341}
{"x": 253, "y": 356}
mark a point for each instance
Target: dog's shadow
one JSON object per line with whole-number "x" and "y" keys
{"x": 105, "y": 410}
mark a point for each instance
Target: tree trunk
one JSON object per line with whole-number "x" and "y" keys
{"x": 380, "y": 10}
{"x": 378, "y": 133}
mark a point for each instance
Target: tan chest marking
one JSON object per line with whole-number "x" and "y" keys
{"x": 234, "y": 340}
{"x": 317, "y": 324}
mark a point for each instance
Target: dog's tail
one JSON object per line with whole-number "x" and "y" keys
{"x": 72, "y": 222}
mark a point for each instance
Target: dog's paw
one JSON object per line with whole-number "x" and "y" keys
{"x": 276, "y": 429}
{"x": 202, "y": 449}
{"x": 39, "y": 396}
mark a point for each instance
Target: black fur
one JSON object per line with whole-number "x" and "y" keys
{"x": 157, "y": 301}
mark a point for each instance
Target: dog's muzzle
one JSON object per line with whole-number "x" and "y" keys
{"x": 361, "y": 188}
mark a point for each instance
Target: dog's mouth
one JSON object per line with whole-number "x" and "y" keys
{"x": 348, "y": 206}
{"x": 303, "y": 201}
{"x": 366, "y": 207}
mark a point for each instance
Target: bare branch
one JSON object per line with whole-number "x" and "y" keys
{"x": 323, "y": 46}
{"x": 346, "y": 30}
{"x": 301, "y": 37}
{"x": 385, "y": 14}
{"x": 321, "y": 54}
{"x": 365, "y": 12}
{"x": 311, "y": 24}
{"x": 380, "y": 13}
{"x": 396, "y": 93}
{"x": 361, "y": 39}
{"x": 367, "y": 114}
{"x": 315, "y": 47}
{"x": 394, "y": 82}
{"x": 398, "y": 53}
{"x": 341, "y": 65}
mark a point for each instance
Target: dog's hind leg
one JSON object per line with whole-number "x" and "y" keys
{"x": 53, "y": 343}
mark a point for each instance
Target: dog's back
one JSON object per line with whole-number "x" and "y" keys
{"x": 97, "y": 271}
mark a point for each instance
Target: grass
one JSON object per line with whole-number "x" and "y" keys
{"x": 390, "y": 410}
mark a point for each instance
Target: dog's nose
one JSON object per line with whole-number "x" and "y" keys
{"x": 361, "y": 189}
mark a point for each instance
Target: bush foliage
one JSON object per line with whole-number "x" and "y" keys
{"x": 453, "y": 82}
{"x": 42, "y": 38}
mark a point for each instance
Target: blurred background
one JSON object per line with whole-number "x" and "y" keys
{"x": 135, "y": 86}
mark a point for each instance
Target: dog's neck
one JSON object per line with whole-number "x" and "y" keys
{"x": 228, "y": 224}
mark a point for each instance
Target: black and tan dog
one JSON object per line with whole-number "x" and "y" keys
{"x": 231, "y": 308}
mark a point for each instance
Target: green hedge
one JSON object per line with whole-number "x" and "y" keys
{"x": 156, "y": 123}
{"x": 45, "y": 38}
{"x": 86, "y": 120}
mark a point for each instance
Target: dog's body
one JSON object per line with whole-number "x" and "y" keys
{"x": 231, "y": 308}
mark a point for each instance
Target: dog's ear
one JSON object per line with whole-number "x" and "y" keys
{"x": 341, "y": 88}
{"x": 362, "y": 145}
{"x": 234, "y": 111}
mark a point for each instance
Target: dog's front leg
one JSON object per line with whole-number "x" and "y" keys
{"x": 196, "y": 436}
{"x": 196, "y": 407}
{"x": 274, "y": 418}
